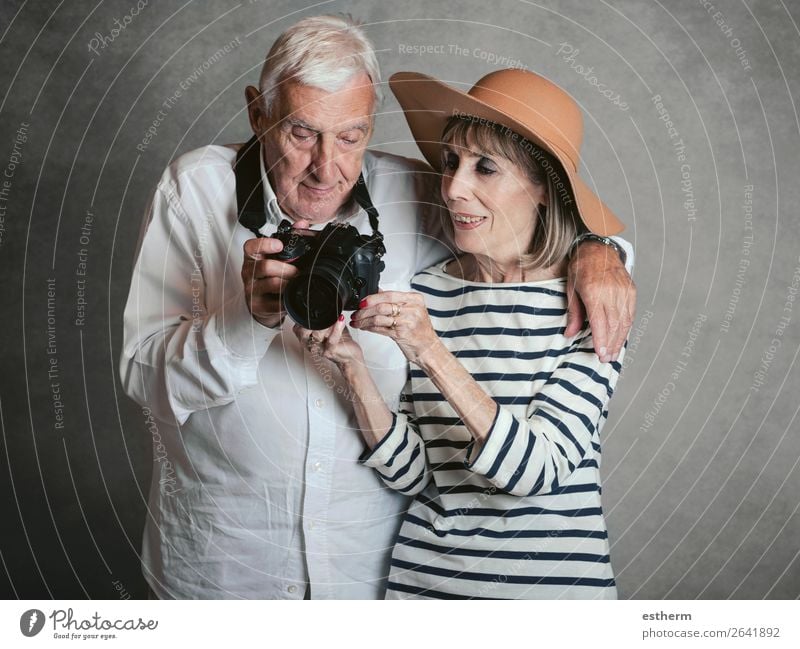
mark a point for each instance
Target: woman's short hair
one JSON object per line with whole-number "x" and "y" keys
{"x": 557, "y": 222}
{"x": 321, "y": 51}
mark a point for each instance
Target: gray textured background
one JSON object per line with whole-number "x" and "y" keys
{"x": 702, "y": 485}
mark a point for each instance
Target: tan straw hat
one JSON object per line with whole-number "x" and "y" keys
{"x": 522, "y": 101}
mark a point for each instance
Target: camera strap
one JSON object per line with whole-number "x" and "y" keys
{"x": 364, "y": 201}
{"x": 249, "y": 187}
{"x": 250, "y": 190}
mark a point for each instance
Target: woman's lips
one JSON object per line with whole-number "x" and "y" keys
{"x": 466, "y": 221}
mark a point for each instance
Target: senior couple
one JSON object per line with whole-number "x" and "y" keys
{"x": 441, "y": 441}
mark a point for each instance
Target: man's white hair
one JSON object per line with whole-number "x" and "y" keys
{"x": 321, "y": 51}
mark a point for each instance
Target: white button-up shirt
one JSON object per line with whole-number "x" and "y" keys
{"x": 257, "y": 491}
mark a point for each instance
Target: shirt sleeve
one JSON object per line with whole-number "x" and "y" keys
{"x": 628, "y": 248}
{"x": 177, "y": 357}
{"x": 400, "y": 458}
{"x": 537, "y": 454}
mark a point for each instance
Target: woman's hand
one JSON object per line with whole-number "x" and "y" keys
{"x": 402, "y": 317}
{"x": 333, "y": 343}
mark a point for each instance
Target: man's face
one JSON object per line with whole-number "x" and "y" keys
{"x": 314, "y": 143}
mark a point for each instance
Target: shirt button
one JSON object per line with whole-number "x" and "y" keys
{"x": 311, "y": 525}
{"x": 319, "y": 403}
{"x": 292, "y": 589}
{"x": 317, "y": 466}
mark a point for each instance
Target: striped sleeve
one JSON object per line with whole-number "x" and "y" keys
{"x": 537, "y": 454}
{"x": 399, "y": 458}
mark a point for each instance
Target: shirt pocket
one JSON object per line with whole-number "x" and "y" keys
{"x": 362, "y": 530}
{"x": 226, "y": 542}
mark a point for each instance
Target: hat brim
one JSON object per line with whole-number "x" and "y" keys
{"x": 428, "y": 104}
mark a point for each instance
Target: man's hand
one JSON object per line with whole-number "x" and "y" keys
{"x": 265, "y": 279}
{"x": 599, "y": 286}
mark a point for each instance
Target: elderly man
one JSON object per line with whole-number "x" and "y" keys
{"x": 257, "y": 491}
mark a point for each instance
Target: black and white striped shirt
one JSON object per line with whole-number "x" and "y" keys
{"x": 522, "y": 519}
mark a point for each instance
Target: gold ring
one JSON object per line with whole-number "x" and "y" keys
{"x": 395, "y": 310}
{"x": 394, "y": 323}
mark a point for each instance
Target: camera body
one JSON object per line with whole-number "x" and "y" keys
{"x": 338, "y": 267}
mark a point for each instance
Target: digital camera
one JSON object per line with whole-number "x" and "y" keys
{"x": 338, "y": 267}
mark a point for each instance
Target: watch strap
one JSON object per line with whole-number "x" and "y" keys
{"x": 607, "y": 241}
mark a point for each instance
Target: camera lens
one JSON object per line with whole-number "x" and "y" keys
{"x": 314, "y": 299}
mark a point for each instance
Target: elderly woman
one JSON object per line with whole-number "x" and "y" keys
{"x": 498, "y": 433}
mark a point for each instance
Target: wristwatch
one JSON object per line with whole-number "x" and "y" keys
{"x": 606, "y": 241}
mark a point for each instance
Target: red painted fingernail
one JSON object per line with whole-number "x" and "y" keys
{"x": 341, "y": 317}
{"x": 362, "y": 304}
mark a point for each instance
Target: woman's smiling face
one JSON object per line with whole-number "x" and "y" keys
{"x": 492, "y": 202}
